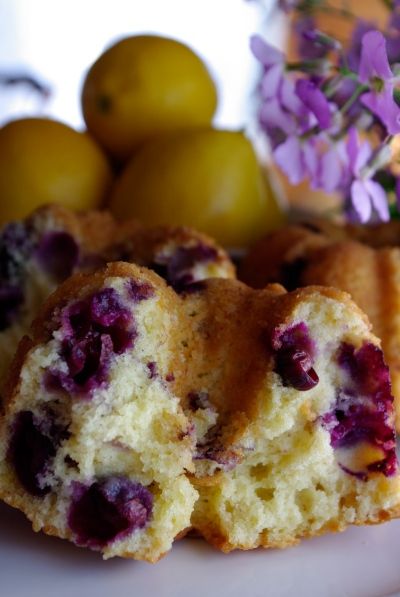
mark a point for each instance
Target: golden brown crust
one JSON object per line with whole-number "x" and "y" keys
{"x": 95, "y": 230}
{"x": 332, "y": 255}
{"x": 143, "y": 244}
{"x": 71, "y": 288}
{"x": 216, "y": 538}
{"x": 263, "y": 264}
{"x": 230, "y": 318}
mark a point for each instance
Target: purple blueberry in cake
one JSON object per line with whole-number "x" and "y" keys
{"x": 139, "y": 290}
{"x": 212, "y": 448}
{"x": 178, "y": 268}
{"x": 11, "y": 299}
{"x": 58, "y": 254}
{"x": 363, "y": 410}
{"x": 108, "y": 510}
{"x": 152, "y": 369}
{"x": 15, "y": 247}
{"x": 32, "y": 448}
{"x": 94, "y": 329}
{"x": 294, "y": 356}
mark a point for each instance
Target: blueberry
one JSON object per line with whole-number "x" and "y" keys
{"x": 140, "y": 291}
{"x": 31, "y": 451}
{"x": 108, "y": 510}
{"x": 11, "y": 299}
{"x": 152, "y": 368}
{"x": 294, "y": 352}
{"x": 212, "y": 448}
{"x": 177, "y": 269}
{"x": 295, "y": 368}
{"x": 15, "y": 246}
{"x": 363, "y": 409}
{"x": 95, "y": 328}
{"x": 58, "y": 254}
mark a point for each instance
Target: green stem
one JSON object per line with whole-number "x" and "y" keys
{"x": 375, "y": 162}
{"x": 353, "y": 98}
{"x": 304, "y": 65}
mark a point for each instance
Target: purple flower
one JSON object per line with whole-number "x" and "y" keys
{"x": 298, "y": 159}
{"x": 315, "y": 101}
{"x": 282, "y": 113}
{"x": 375, "y": 70}
{"x": 365, "y": 193}
{"x": 273, "y": 61}
{"x": 332, "y": 173}
{"x": 290, "y": 158}
{"x": 393, "y": 35}
{"x": 397, "y": 190}
{"x": 353, "y": 54}
{"x": 312, "y": 43}
{"x": 308, "y": 46}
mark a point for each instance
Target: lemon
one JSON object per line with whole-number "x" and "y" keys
{"x": 142, "y": 86}
{"x": 208, "y": 179}
{"x": 45, "y": 161}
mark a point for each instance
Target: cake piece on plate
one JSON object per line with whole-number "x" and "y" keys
{"x": 292, "y": 406}
{"x": 361, "y": 260}
{"x": 94, "y": 444}
{"x": 38, "y": 253}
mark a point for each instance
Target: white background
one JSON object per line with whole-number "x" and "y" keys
{"x": 58, "y": 41}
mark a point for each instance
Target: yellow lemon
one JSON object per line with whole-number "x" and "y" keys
{"x": 142, "y": 86}
{"x": 209, "y": 179}
{"x": 45, "y": 161}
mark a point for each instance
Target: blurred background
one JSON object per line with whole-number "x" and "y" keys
{"x": 56, "y": 42}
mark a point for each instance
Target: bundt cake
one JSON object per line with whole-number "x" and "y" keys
{"x": 94, "y": 444}
{"x": 137, "y": 408}
{"x": 361, "y": 260}
{"x": 291, "y": 401}
{"x": 38, "y": 253}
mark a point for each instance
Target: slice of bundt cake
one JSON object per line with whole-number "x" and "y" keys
{"x": 182, "y": 256}
{"x": 322, "y": 253}
{"x": 291, "y": 401}
{"x": 38, "y": 253}
{"x": 94, "y": 444}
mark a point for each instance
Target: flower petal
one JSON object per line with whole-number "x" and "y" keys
{"x": 353, "y": 53}
{"x": 361, "y": 201}
{"x": 265, "y": 53}
{"x": 315, "y": 101}
{"x": 358, "y": 154}
{"x": 331, "y": 170}
{"x": 289, "y": 99}
{"x": 384, "y": 107}
{"x": 311, "y": 162}
{"x": 378, "y": 199}
{"x": 289, "y": 158}
{"x": 271, "y": 114}
{"x": 374, "y": 61}
{"x": 271, "y": 80}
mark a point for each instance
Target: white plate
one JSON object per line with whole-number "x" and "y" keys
{"x": 362, "y": 562}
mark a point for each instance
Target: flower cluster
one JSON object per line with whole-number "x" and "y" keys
{"x": 331, "y": 117}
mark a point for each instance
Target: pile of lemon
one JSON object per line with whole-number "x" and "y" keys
{"x": 150, "y": 150}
